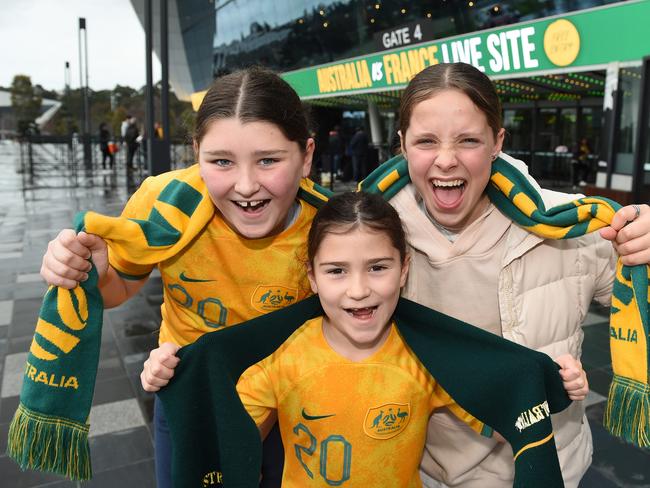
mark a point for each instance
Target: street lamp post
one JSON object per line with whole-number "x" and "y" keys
{"x": 158, "y": 154}
{"x": 83, "y": 61}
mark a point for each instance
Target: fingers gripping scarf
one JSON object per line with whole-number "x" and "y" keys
{"x": 628, "y": 406}
{"x": 49, "y": 431}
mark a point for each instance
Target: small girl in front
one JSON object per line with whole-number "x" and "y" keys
{"x": 352, "y": 401}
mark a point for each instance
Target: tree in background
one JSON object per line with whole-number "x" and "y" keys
{"x": 26, "y": 103}
{"x": 111, "y": 106}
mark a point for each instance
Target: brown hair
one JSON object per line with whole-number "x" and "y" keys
{"x": 254, "y": 95}
{"x": 451, "y": 76}
{"x": 352, "y": 210}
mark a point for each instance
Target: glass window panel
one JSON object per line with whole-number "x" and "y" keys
{"x": 629, "y": 87}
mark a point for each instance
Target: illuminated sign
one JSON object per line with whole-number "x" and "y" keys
{"x": 412, "y": 33}
{"x": 592, "y": 37}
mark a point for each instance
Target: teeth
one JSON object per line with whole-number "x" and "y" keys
{"x": 250, "y": 204}
{"x": 448, "y": 184}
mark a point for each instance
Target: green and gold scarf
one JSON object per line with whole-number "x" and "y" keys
{"x": 49, "y": 431}
{"x": 628, "y": 405}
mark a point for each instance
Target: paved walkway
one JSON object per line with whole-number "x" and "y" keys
{"x": 120, "y": 433}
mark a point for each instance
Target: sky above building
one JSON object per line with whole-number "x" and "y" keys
{"x": 37, "y": 37}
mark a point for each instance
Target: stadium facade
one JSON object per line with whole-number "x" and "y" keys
{"x": 566, "y": 70}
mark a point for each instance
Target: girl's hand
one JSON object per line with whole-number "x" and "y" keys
{"x": 630, "y": 234}
{"x": 159, "y": 368}
{"x": 573, "y": 376}
{"x": 65, "y": 262}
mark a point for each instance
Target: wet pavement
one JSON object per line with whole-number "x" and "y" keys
{"x": 33, "y": 210}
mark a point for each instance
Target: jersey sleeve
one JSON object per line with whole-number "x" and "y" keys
{"x": 257, "y": 394}
{"x": 441, "y": 399}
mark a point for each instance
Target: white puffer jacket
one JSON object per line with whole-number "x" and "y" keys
{"x": 545, "y": 288}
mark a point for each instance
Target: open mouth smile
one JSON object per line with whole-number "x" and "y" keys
{"x": 363, "y": 313}
{"x": 448, "y": 193}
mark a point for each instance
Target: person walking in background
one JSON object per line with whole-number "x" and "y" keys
{"x": 359, "y": 152}
{"x": 335, "y": 151}
{"x": 104, "y": 139}
{"x": 131, "y": 139}
{"x": 124, "y": 125}
{"x": 581, "y": 165}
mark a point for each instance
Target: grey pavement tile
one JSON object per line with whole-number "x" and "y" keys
{"x": 14, "y": 477}
{"x": 110, "y": 368}
{"x": 11, "y": 255}
{"x": 6, "y": 311}
{"x": 29, "y": 278}
{"x": 112, "y": 389}
{"x": 594, "y": 479}
{"x": 138, "y": 475}
{"x": 11, "y": 246}
{"x": 7, "y": 290}
{"x": 110, "y": 451}
{"x": 27, "y": 291}
{"x": 26, "y": 308}
{"x": 599, "y": 381}
{"x": 594, "y": 398}
{"x": 12, "y": 375}
{"x": 594, "y": 357}
{"x": 23, "y": 327}
{"x": 18, "y": 344}
{"x": 8, "y": 407}
{"x": 115, "y": 416}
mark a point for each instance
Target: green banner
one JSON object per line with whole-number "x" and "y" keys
{"x": 592, "y": 37}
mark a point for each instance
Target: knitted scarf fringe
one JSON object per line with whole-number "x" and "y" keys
{"x": 628, "y": 399}
{"x": 51, "y": 444}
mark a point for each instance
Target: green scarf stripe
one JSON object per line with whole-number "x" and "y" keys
{"x": 157, "y": 230}
{"x": 315, "y": 196}
{"x": 577, "y": 230}
{"x": 502, "y": 202}
{"x": 520, "y": 182}
{"x": 131, "y": 277}
{"x": 640, "y": 286}
{"x": 383, "y": 181}
{"x": 627, "y": 414}
{"x": 182, "y": 196}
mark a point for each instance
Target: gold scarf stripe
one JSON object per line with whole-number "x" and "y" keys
{"x": 502, "y": 182}
{"x": 175, "y": 218}
{"x": 61, "y": 339}
{"x": 41, "y": 353}
{"x": 73, "y": 316}
{"x": 534, "y": 444}
{"x": 388, "y": 180}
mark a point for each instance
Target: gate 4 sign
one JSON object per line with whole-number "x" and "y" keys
{"x": 404, "y": 35}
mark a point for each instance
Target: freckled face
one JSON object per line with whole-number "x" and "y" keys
{"x": 358, "y": 276}
{"x": 450, "y": 146}
{"x": 252, "y": 172}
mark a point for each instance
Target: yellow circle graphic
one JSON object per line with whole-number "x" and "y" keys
{"x": 561, "y": 42}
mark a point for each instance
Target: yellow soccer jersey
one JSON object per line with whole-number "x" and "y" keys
{"x": 344, "y": 423}
{"x": 221, "y": 279}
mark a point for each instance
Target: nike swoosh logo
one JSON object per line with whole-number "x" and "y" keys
{"x": 191, "y": 280}
{"x": 306, "y": 416}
